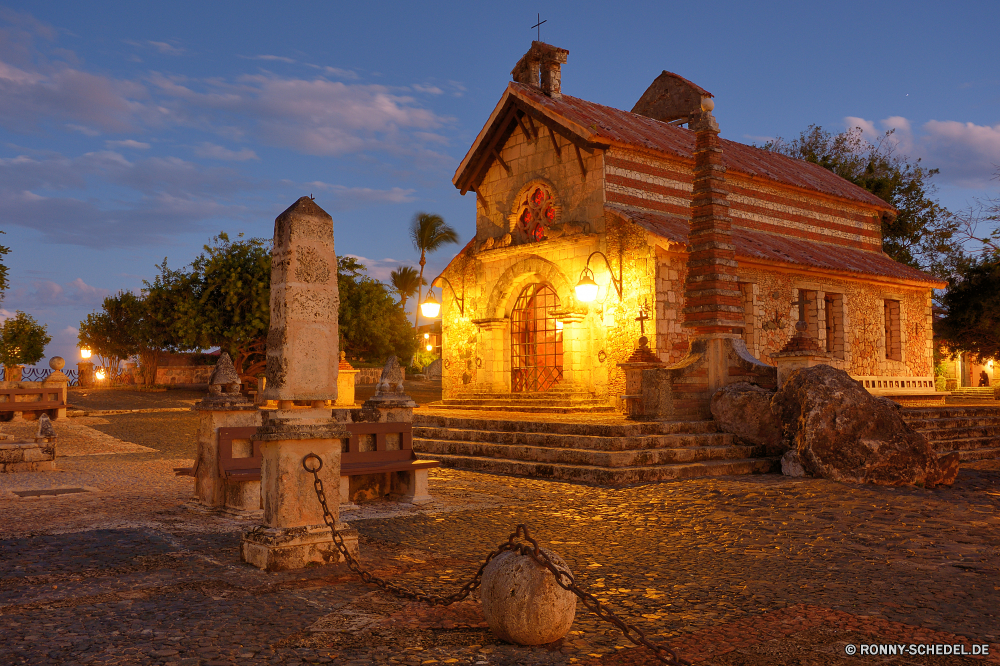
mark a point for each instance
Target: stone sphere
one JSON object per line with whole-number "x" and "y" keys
{"x": 522, "y": 602}
{"x": 57, "y": 363}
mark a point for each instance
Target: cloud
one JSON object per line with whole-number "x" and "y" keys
{"x": 46, "y": 294}
{"x": 215, "y": 152}
{"x": 128, "y": 143}
{"x": 381, "y": 269}
{"x": 346, "y": 198}
{"x": 429, "y": 90}
{"x": 966, "y": 154}
{"x": 162, "y": 47}
{"x": 270, "y": 58}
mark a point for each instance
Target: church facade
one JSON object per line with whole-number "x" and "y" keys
{"x": 571, "y": 195}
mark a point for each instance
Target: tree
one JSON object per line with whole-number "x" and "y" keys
{"x": 115, "y": 332}
{"x": 373, "y": 326}
{"x": 406, "y": 281}
{"x": 22, "y": 340}
{"x": 163, "y": 298}
{"x": 3, "y": 270}
{"x": 923, "y": 233}
{"x": 972, "y": 309}
{"x": 429, "y": 233}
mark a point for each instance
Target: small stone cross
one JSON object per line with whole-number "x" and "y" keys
{"x": 539, "y": 24}
{"x": 801, "y": 303}
{"x": 642, "y": 319}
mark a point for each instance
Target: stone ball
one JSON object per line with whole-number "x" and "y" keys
{"x": 57, "y": 363}
{"x": 522, "y": 602}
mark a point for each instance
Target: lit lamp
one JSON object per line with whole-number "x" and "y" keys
{"x": 586, "y": 288}
{"x": 427, "y": 336}
{"x": 430, "y": 347}
{"x": 430, "y": 307}
{"x": 100, "y": 374}
{"x": 84, "y": 353}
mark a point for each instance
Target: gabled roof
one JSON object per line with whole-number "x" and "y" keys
{"x": 592, "y": 126}
{"x": 782, "y": 249}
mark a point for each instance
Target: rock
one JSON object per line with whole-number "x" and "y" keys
{"x": 791, "y": 465}
{"x": 744, "y": 410}
{"x": 433, "y": 371}
{"x": 522, "y": 602}
{"x": 45, "y": 429}
{"x": 841, "y": 432}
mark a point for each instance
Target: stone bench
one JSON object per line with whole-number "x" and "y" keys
{"x": 407, "y": 476}
{"x": 50, "y": 400}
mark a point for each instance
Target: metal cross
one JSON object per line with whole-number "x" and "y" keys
{"x": 801, "y": 303}
{"x": 538, "y": 25}
{"x": 642, "y": 319}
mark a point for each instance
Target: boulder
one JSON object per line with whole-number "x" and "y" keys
{"x": 522, "y": 602}
{"x": 842, "y": 432}
{"x": 744, "y": 410}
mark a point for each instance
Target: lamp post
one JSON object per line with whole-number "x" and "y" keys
{"x": 586, "y": 288}
{"x": 85, "y": 369}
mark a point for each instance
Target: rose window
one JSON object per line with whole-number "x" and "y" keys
{"x": 537, "y": 212}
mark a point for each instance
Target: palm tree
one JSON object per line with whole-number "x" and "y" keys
{"x": 429, "y": 232}
{"x": 406, "y": 281}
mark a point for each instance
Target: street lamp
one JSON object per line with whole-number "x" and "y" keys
{"x": 586, "y": 288}
{"x": 84, "y": 353}
{"x": 430, "y": 307}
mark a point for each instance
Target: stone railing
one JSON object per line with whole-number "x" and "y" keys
{"x": 371, "y": 375}
{"x": 886, "y": 385}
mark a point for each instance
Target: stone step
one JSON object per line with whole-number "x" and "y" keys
{"x": 621, "y": 428}
{"x": 946, "y": 434}
{"x": 568, "y": 456}
{"x": 965, "y": 444}
{"x": 975, "y": 391}
{"x": 572, "y": 441}
{"x": 547, "y": 395}
{"x": 979, "y": 454}
{"x": 950, "y": 412}
{"x": 528, "y": 408}
{"x": 618, "y": 476}
{"x": 949, "y": 423}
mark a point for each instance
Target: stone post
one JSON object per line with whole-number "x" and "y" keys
{"x": 713, "y": 306}
{"x": 85, "y": 374}
{"x": 641, "y": 359}
{"x": 12, "y": 373}
{"x": 302, "y": 365}
{"x": 801, "y": 351}
{"x": 576, "y": 351}
{"x": 345, "y": 382}
{"x": 58, "y": 380}
{"x": 223, "y": 407}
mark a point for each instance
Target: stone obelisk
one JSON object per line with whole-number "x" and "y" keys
{"x": 302, "y": 362}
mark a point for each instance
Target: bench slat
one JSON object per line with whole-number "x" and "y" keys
{"x": 356, "y": 469}
{"x": 30, "y": 406}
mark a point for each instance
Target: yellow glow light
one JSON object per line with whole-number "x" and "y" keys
{"x": 84, "y": 353}
{"x": 430, "y": 307}
{"x": 586, "y": 288}
{"x": 100, "y": 375}
{"x": 430, "y": 347}
{"x": 427, "y": 336}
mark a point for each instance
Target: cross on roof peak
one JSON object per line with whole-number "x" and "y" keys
{"x": 539, "y": 25}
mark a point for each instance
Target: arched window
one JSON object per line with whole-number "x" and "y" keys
{"x": 536, "y": 211}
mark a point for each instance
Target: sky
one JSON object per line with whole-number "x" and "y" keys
{"x": 134, "y": 132}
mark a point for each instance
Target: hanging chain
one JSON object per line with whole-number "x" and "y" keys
{"x": 531, "y": 549}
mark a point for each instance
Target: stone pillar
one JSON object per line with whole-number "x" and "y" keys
{"x": 577, "y": 361}
{"x": 85, "y": 374}
{"x": 302, "y": 365}
{"x": 641, "y": 359}
{"x": 223, "y": 407}
{"x": 58, "y": 380}
{"x": 12, "y": 373}
{"x": 713, "y": 306}
{"x": 801, "y": 351}
{"x": 345, "y": 382}
{"x": 492, "y": 376}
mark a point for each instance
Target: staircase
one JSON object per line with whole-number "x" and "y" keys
{"x": 556, "y": 400}
{"x": 979, "y": 392}
{"x": 972, "y": 431}
{"x": 609, "y": 451}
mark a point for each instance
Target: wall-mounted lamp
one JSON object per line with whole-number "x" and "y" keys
{"x": 586, "y": 288}
{"x": 431, "y": 308}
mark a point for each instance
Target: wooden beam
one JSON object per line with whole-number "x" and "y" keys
{"x": 524, "y": 129}
{"x": 531, "y": 124}
{"x": 579, "y": 158}
{"x": 471, "y": 181}
{"x": 496, "y": 155}
{"x": 555, "y": 144}
{"x": 482, "y": 201}
{"x": 558, "y": 129}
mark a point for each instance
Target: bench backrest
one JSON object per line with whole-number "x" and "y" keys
{"x": 49, "y": 398}
{"x": 352, "y": 455}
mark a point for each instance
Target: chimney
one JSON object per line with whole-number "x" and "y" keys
{"x": 541, "y": 68}
{"x": 672, "y": 98}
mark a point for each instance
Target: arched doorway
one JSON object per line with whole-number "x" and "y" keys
{"x": 536, "y": 344}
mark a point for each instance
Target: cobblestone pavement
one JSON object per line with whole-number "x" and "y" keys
{"x": 105, "y": 398}
{"x": 734, "y": 570}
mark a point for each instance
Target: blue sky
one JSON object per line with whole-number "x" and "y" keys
{"x": 130, "y": 132}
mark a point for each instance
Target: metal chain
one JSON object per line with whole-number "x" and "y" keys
{"x": 563, "y": 577}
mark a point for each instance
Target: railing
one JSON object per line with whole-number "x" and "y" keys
{"x": 896, "y": 385}
{"x": 41, "y": 374}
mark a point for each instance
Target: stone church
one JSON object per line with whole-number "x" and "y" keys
{"x": 581, "y": 247}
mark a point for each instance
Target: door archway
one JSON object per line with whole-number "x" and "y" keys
{"x": 536, "y": 340}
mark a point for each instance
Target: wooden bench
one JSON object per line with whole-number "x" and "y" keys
{"x": 40, "y": 406}
{"x": 353, "y": 461}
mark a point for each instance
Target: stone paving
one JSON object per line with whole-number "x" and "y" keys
{"x": 729, "y": 570}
